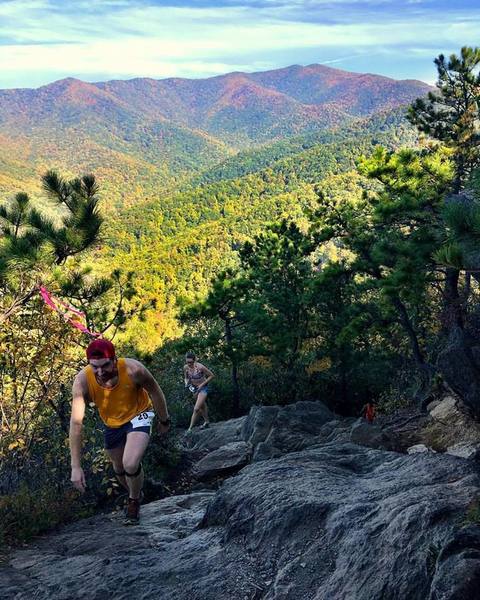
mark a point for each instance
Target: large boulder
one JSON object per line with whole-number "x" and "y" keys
{"x": 267, "y": 432}
{"x": 450, "y": 428}
{"x": 347, "y": 522}
{"x": 457, "y": 574}
{"x": 216, "y": 436}
{"x": 274, "y": 431}
{"x": 224, "y": 461}
{"x": 259, "y": 423}
{"x": 446, "y": 409}
{"x": 370, "y": 435}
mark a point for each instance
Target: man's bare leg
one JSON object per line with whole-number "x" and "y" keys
{"x": 137, "y": 442}
{"x": 116, "y": 457}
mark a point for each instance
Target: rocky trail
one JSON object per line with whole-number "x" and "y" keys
{"x": 310, "y": 506}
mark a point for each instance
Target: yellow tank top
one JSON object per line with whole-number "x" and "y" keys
{"x": 119, "y": 404}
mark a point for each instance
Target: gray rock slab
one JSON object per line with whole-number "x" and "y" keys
{"x": 335, "y": 521}
{"x": 223, "y": 461}
{"x": 469, "y": 450}
{"x": 370, "y": 435}
{"x": 347, "y": 522}
{"x": 217, "y": 435}
{"x": 418, "y": 449}
{"x": 101, "y": 558}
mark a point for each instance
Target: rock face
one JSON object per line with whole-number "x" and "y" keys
{"x": 365, "y": 522}
{"x": 323, "y": 519}
{"x": 458, "y": 571}
{"x": 451, "y": 429}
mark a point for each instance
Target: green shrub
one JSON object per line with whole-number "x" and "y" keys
{"x": 35, "y": 489}
{"x": 26, "y": 513}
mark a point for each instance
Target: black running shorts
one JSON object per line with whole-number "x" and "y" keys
{"x": 115, "y": 437}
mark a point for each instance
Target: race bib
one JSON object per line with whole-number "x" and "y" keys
{"x": 143, "y": 419}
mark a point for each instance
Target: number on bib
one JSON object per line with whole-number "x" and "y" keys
{"x": 143, "y": 419}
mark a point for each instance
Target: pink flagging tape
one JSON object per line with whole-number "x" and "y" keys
{"x": 70, "y": 313}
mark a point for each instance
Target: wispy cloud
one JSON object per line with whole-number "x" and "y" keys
{"x": 43, "y": 39}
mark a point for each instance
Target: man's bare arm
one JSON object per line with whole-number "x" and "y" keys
{"x": 75, "y": 435}
{"x": 142, "y": 377}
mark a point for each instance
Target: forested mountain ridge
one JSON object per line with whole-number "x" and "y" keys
{"x": 236, "y": 107}
{"x": 175, "y": 244}
{"x": 143, "y": 136}
{"x": 388, "y": 128}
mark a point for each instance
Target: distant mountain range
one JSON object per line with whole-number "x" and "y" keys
{"x": 188, "y": 169}
{"x": 145, "y": 135}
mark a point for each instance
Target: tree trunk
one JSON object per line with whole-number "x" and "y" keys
{"x": 343, "y": 385}
{"x": 18, "y": 303}
{"x": 234, "y": 371}
{"x": 410, "y": 331}
{"x": 452, "y": 304}
{"x": 425, "y": 370}
{"x": 457, "y": 360}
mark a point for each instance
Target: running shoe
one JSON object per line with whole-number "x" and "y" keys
{"x": 132, "y": 512}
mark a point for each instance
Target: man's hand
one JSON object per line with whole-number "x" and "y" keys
{"x": 162, "y": 429}
{"x": 78, "y": 479}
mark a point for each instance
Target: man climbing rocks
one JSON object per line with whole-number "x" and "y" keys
{"x": 123, "y": 391}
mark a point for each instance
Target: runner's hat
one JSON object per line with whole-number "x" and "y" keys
{"x": 100, "y": 349}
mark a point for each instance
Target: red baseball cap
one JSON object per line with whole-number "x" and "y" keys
{"x": 100, "y": 349}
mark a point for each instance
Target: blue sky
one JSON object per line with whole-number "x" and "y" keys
{"x": 96, "y": 40}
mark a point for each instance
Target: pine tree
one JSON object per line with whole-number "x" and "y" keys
{"x": 32, "y": 244}
{"x": 452, "y": 113}
{"x": 224, "y": 303}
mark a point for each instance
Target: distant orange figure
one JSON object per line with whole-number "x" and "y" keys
{"x": 370, "y": 411}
